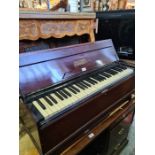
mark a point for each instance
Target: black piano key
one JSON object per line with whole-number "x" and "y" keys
{"x": 114, "y": 70}
{"x": 48, "y": 101}
{"x": 39, "y": 102}
{"x": 80, "y": 86}
{"x": 103, "y": 78}
{"x": 118, "y": 69}
{"x": 53, "y": 99}
{"x": 122, "y": 67}
{"x": 76, "y": 89}
{"x": 106, "y": 75}
{"x": 62, "y": 94}
{"x": 67, "y": 93}
{"x": 89, "y": 81}
{"x": 59, "y": 96}
{"x": 93, "y": 81}
{"x": 111, "y": 72}
{"x": 72, "y": 90}
{"x": 86, "y": 84}
{"x": 97, "y": 78}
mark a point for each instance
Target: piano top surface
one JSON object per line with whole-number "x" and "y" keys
{"x": 39, "y": 70}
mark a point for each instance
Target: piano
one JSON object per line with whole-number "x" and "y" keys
{"x": 65, "y": 92}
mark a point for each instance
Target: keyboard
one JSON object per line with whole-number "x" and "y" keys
{"x": 59, "y": 100}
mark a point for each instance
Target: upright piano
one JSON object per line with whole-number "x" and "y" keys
{"x": 65, "y": 92}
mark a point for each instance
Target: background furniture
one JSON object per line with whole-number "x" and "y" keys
{"x": 118, "y": 25}
{"x": 40, "y": 29}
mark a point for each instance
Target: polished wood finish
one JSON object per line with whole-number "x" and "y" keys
{"x": 34, "y": 25}
{"x": 60, "y": 61}
{"x": 27, "y": 147}
{"x": 44, "y": 70}
{"x": 111, "y": 101}
{"x": 82, "y": 142}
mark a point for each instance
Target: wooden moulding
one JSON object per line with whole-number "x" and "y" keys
{"x": 35, "y": 29}
{"x": 40, "y": 14}
{"x": 45, "y": 24}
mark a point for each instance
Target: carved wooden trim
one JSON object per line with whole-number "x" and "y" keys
{"x": 35, "y": 29}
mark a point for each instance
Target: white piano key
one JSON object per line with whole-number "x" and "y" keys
{"x": 48, "y": 108}
{"x": 42, "y": 111}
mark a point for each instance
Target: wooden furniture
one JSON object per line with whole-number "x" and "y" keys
{"x": 106, "y": 126}
{"x": 66, "y": 92}
{"x": 45, "y": 24}
{"x": 79, "y": 146}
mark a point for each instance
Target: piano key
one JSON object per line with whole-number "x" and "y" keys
{"x": 74, "y": 93}
{"x": 58, "y": 95}
{"x": 77, "y": 84}
{"x": 36, "y": 113}
{"x": 77, "y": 90}
{"x": 90, "y": 90}
{"x": 117, "y": 69}
{"x": 41, "y": 104}
{"x": 122, "y": 67}
{"x": 73, "y": 97}
{"x": 72, "y": 90}
{"x": 48, "y": 101}
{"x": 105, "y": 74}
{"x": 90, "y": 81}
{"x": 93, "y": 88}
{"x": 53, "y": 107}
{"x": 62, "y": 94}
{"x": 111, "y": 72}
{"x": 93, "y": 80}
{"x": 82, "y": 92}
{"x": 97, "y": 78}
{"x": 66, "y": 92}
{"x": 60, "y": 102}
{"x": 40, "y": 109}
{"x": 87, "y": 90}
{"x": 54, "y": 104}
{"x": 52, "y": 98}
{"x": 48, "y": 107}
{"x": 68, "y": 101}
{"x": 86, "y": 83}
{"x": 102, "y": 77}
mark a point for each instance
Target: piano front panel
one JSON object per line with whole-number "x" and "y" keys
{"x": 53, "y": 134}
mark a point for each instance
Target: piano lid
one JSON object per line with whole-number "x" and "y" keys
{"x": 41, "y": 69}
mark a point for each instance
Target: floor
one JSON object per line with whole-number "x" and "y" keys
{"x": 130, "y": 148}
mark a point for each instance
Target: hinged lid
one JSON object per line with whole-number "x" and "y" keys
{"x": 41, "y": 69}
